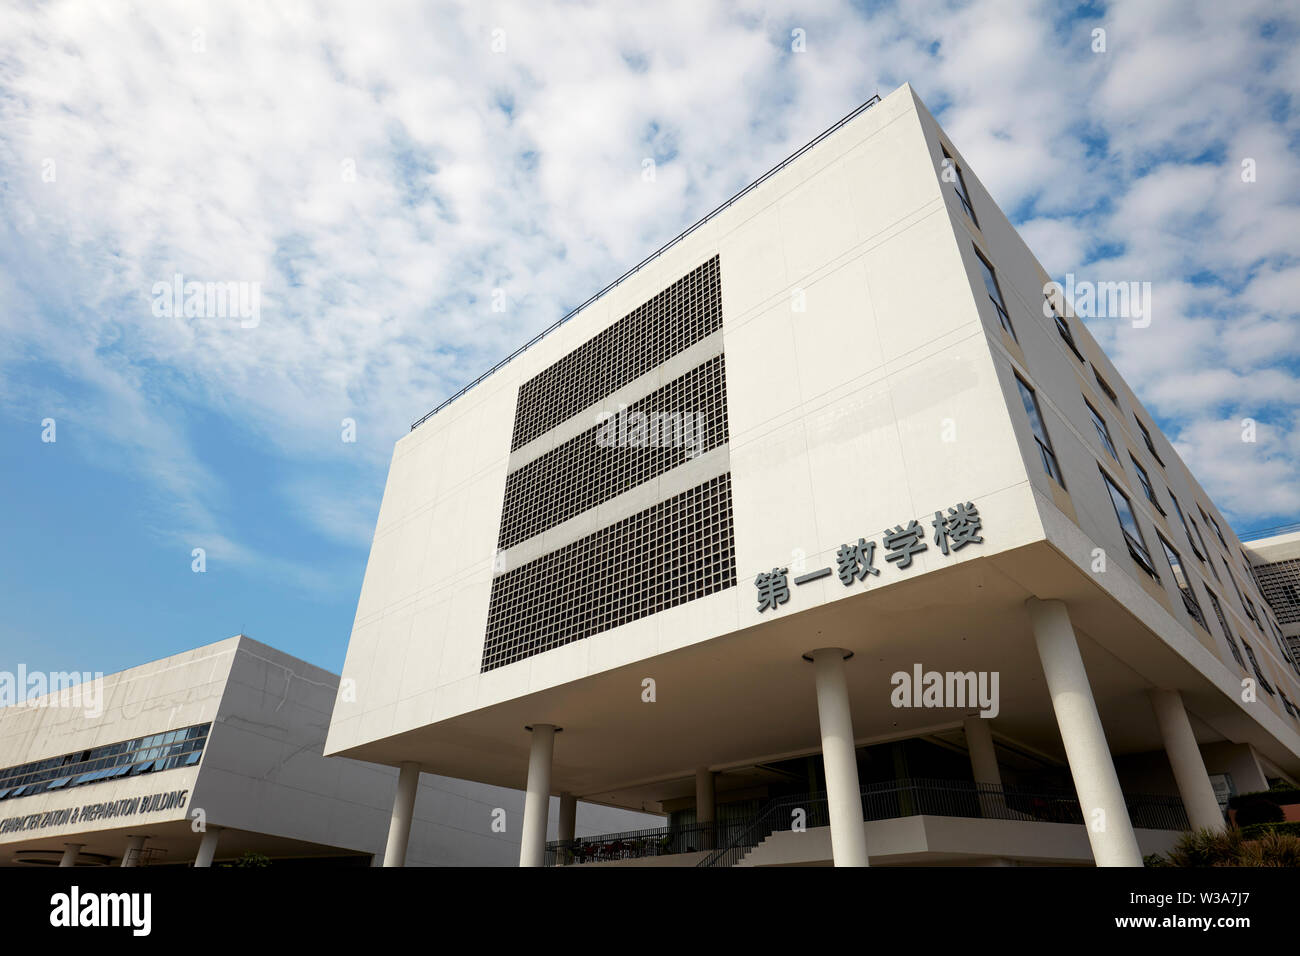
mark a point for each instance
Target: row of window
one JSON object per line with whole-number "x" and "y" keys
{"x": 175, "y": 748}
{"x": 1133, "y": 537}
{"x": 1132, "y": 533}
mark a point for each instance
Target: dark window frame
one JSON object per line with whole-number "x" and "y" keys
{"x": 1137, "y": 548}
{"x": 1046, "y": 451}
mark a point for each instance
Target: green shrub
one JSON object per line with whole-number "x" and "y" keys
{"x": 1272, "y": 849}
{"x": 1257, "y": 830}
{"x": 1258, "y": 808}
{"x": 1261, "y": 845}
{"x": 1199, "y": 848}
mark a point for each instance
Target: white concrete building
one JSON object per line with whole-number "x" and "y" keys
{"x": 211, "y": 754}
{"x": 687, "y": 551}
{"x": 1275, "y": 562}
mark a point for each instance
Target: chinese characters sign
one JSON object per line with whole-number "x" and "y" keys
{"x": 855, "y": 562}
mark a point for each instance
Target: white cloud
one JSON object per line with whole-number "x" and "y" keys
{"x": 522, "y": 170}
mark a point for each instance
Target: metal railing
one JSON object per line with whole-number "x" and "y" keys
{"x": 945, "y": 798}
{"x": 638, "y": 844}
{"x": 650, "y": 258}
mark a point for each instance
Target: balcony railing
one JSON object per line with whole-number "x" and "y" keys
{"x": 943, "y": 798}
{"x": 638, "y": 844}
{"x": 730, "y": 841}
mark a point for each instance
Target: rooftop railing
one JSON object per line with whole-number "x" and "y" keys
{"x": 650, "y": 258}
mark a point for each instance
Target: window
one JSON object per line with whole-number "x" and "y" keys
{"x": 1227, "y": 631}
{"x": 1187, "y": 528}
{"x": 1040, "y": 433}
{"x": 1103, "y": 432}
{"x": 1146, "y": 437}
{"x": 1063, "y": 328}
{"x": 1215, "y": 525}
{"x": 1254, "y": 665}
{"x": 1145, "y": 481}
{"x": 1209, "y": 559}
{"x": 959, "y": 186}
{"x": 1184, "y": 583}
{"x": 995, "y": 294}
{"x": 1128, "y": 524}
{"x": 1251, "y": 613}
{"x": 1110, "y": 392}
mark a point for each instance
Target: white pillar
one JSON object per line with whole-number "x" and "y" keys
{"x": 705, "y": 806}
{"x": 69, "y": 857}
{"x": 1105, "y": 815}
{"x": 983, "y": 758}
{"x": 208, "y": 847}
{"x": 134, "y": 847}
{"x": 843, "y": 794}
{"x": 568, "y": 827}
{"x": 1185, "y": 758}
{"x": 984, "y": 765}
{"x": 537, "y": 801}
{"x": 399, "y": 827}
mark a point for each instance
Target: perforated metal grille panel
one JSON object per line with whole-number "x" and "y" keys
{"x": 1279, "y": 582}
{"x": 678, "y": 317}
{"x": 667, "y": 428}
{"x": 680, "y": 549}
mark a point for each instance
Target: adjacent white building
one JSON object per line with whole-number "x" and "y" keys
{"x": 690, "y": 551}
{"x": 216, "y": 753}
{"x": 1275, "y": 561}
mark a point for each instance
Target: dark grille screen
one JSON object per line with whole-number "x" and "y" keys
{"x": 678, "y": 317}
{"x": 667, "y": 428}
{"x": 673, "y": 552}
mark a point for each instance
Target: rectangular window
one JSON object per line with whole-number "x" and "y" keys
{"x": 1187, "y": 528}
{"x": 1103, "y": 432}
{"x": 1184, "y": 583}
{"x": 1209, "y": 559}
{"x": 1128, "y": 524}
{"x": 1215, "y": 525}
{"x": 959, "y": 187}
{"x": 1254, "y": 665}
{"x": 1044, "y": 443}
{"x": 1102, "y": 384}
{"x": 995, "y": 294}
{"x": 1145, "y": 481}
{"x": 1146, "y": 437}
{"x": 1063, "y": 328}
{"x": 1227, "y": 631}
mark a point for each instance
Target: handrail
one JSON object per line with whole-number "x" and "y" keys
{"x": 951, "y": 798}
{"x": 650, "y": 258}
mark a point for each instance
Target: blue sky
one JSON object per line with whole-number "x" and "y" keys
{"x": 381, "y": 170}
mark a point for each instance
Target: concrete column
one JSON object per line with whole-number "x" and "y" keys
{"x": 399, "y": 826}
{"x": 1105, "y": 815}
{"x": 1185, "y": 758}
{"x": 843, "y": 794}
{"x": 134, "y": 847}
{"x": 537, "y": 801}
{"x": 568, "y": 824}
{"x": 208, "y": 847}
{"x": 705, "y": 806}
{"x": 984, "y": 765}
{"x": 69, "y": 857}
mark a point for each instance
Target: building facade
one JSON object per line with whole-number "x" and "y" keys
{"x": 830, "y": 533}
{"x": 1275, "y": 562}
{"x": 215, "y": 754}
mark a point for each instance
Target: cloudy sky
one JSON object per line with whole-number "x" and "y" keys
{"x": 381, "y": 168}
